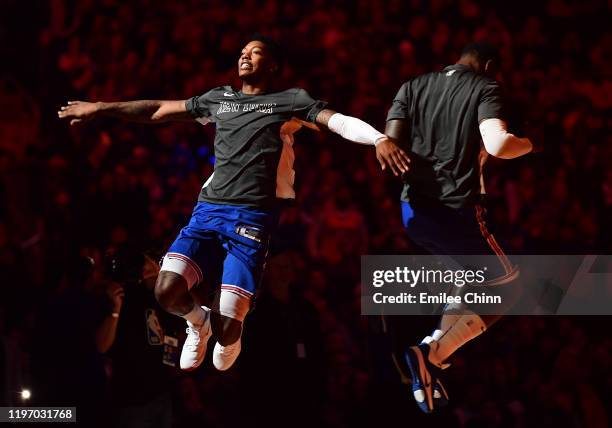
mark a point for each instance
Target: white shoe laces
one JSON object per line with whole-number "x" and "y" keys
{"x": 193, "y": 337}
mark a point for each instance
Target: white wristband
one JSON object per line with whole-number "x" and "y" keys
{"x": 378, "y": 140}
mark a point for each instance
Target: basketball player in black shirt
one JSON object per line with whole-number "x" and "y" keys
{"x": 227, "y": 237}
{"x": 440, "y": 119}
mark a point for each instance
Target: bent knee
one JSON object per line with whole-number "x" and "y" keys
{"x": 168, "y": 286}
{"x": 227, "y": 330}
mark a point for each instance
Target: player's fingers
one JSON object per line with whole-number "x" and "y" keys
{"x": 75, "y": 121}
{"x": 381, "y": 161}
{"x": 391, "y": 164}
{"x": 396, "y": 162}
{"x": 404, "y": 156}
{"x": 404, "y": 160}
{"x": 385, "y": 156}
{"x": 399, "y": 162}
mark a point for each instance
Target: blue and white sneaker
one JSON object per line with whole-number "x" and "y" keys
{"x": 440, "y": 396}
{"x": 424, "y": 377}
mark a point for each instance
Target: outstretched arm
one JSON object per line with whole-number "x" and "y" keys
{"x": 358, "y": 131}
{"x": 145, "y": 111}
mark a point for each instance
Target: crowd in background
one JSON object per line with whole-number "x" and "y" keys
{"x": 309, "y": 357}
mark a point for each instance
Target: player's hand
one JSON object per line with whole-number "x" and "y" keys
{"x": 78, "y": 111}
{"x": 115, "y": 293}
{"x": 389, "y": 154}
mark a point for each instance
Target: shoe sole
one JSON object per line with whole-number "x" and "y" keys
{"x": 423, "y": 375}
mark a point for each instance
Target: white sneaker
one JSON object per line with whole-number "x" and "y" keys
{"x": 194, "y": 348}
{"x": 225, "y": 356}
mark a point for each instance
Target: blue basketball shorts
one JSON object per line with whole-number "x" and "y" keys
{"x": 224, "y": 244}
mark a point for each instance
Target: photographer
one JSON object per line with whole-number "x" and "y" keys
{"x": 141, "y": 341}
{"x": 66, "y": 367}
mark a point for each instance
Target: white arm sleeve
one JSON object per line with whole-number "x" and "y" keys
{"x": 353, "y": 129}
{"x": 500, "y": 143}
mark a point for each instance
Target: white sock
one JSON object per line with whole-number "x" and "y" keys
{"x": 457, "y": 330}
{"x": 434, "y": 336}
{"x": 197, "y": 315}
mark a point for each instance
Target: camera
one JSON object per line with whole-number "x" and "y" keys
{"x": 124, "y": 265}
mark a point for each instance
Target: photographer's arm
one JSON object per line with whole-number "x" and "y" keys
{"x": 106, "y": 332}
{"x": 105, "y": 335}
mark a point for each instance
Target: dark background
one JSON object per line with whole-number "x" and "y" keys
{"x": 68, "y": 192}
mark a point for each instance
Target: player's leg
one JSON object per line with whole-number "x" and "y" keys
{"x": 195, "y": 250}
{"x": 460, "y": 324}
{"x": 245, "y": 235}
{"x": 172, "y": 292}
{"x": 444, "y": 231}
{"x": 236, "y": 295}
{"x": 228, "y": 332}
{"x": 427, "y": 388}
{"x": 176, "y": 278}
{"x": 226, "y": 325}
